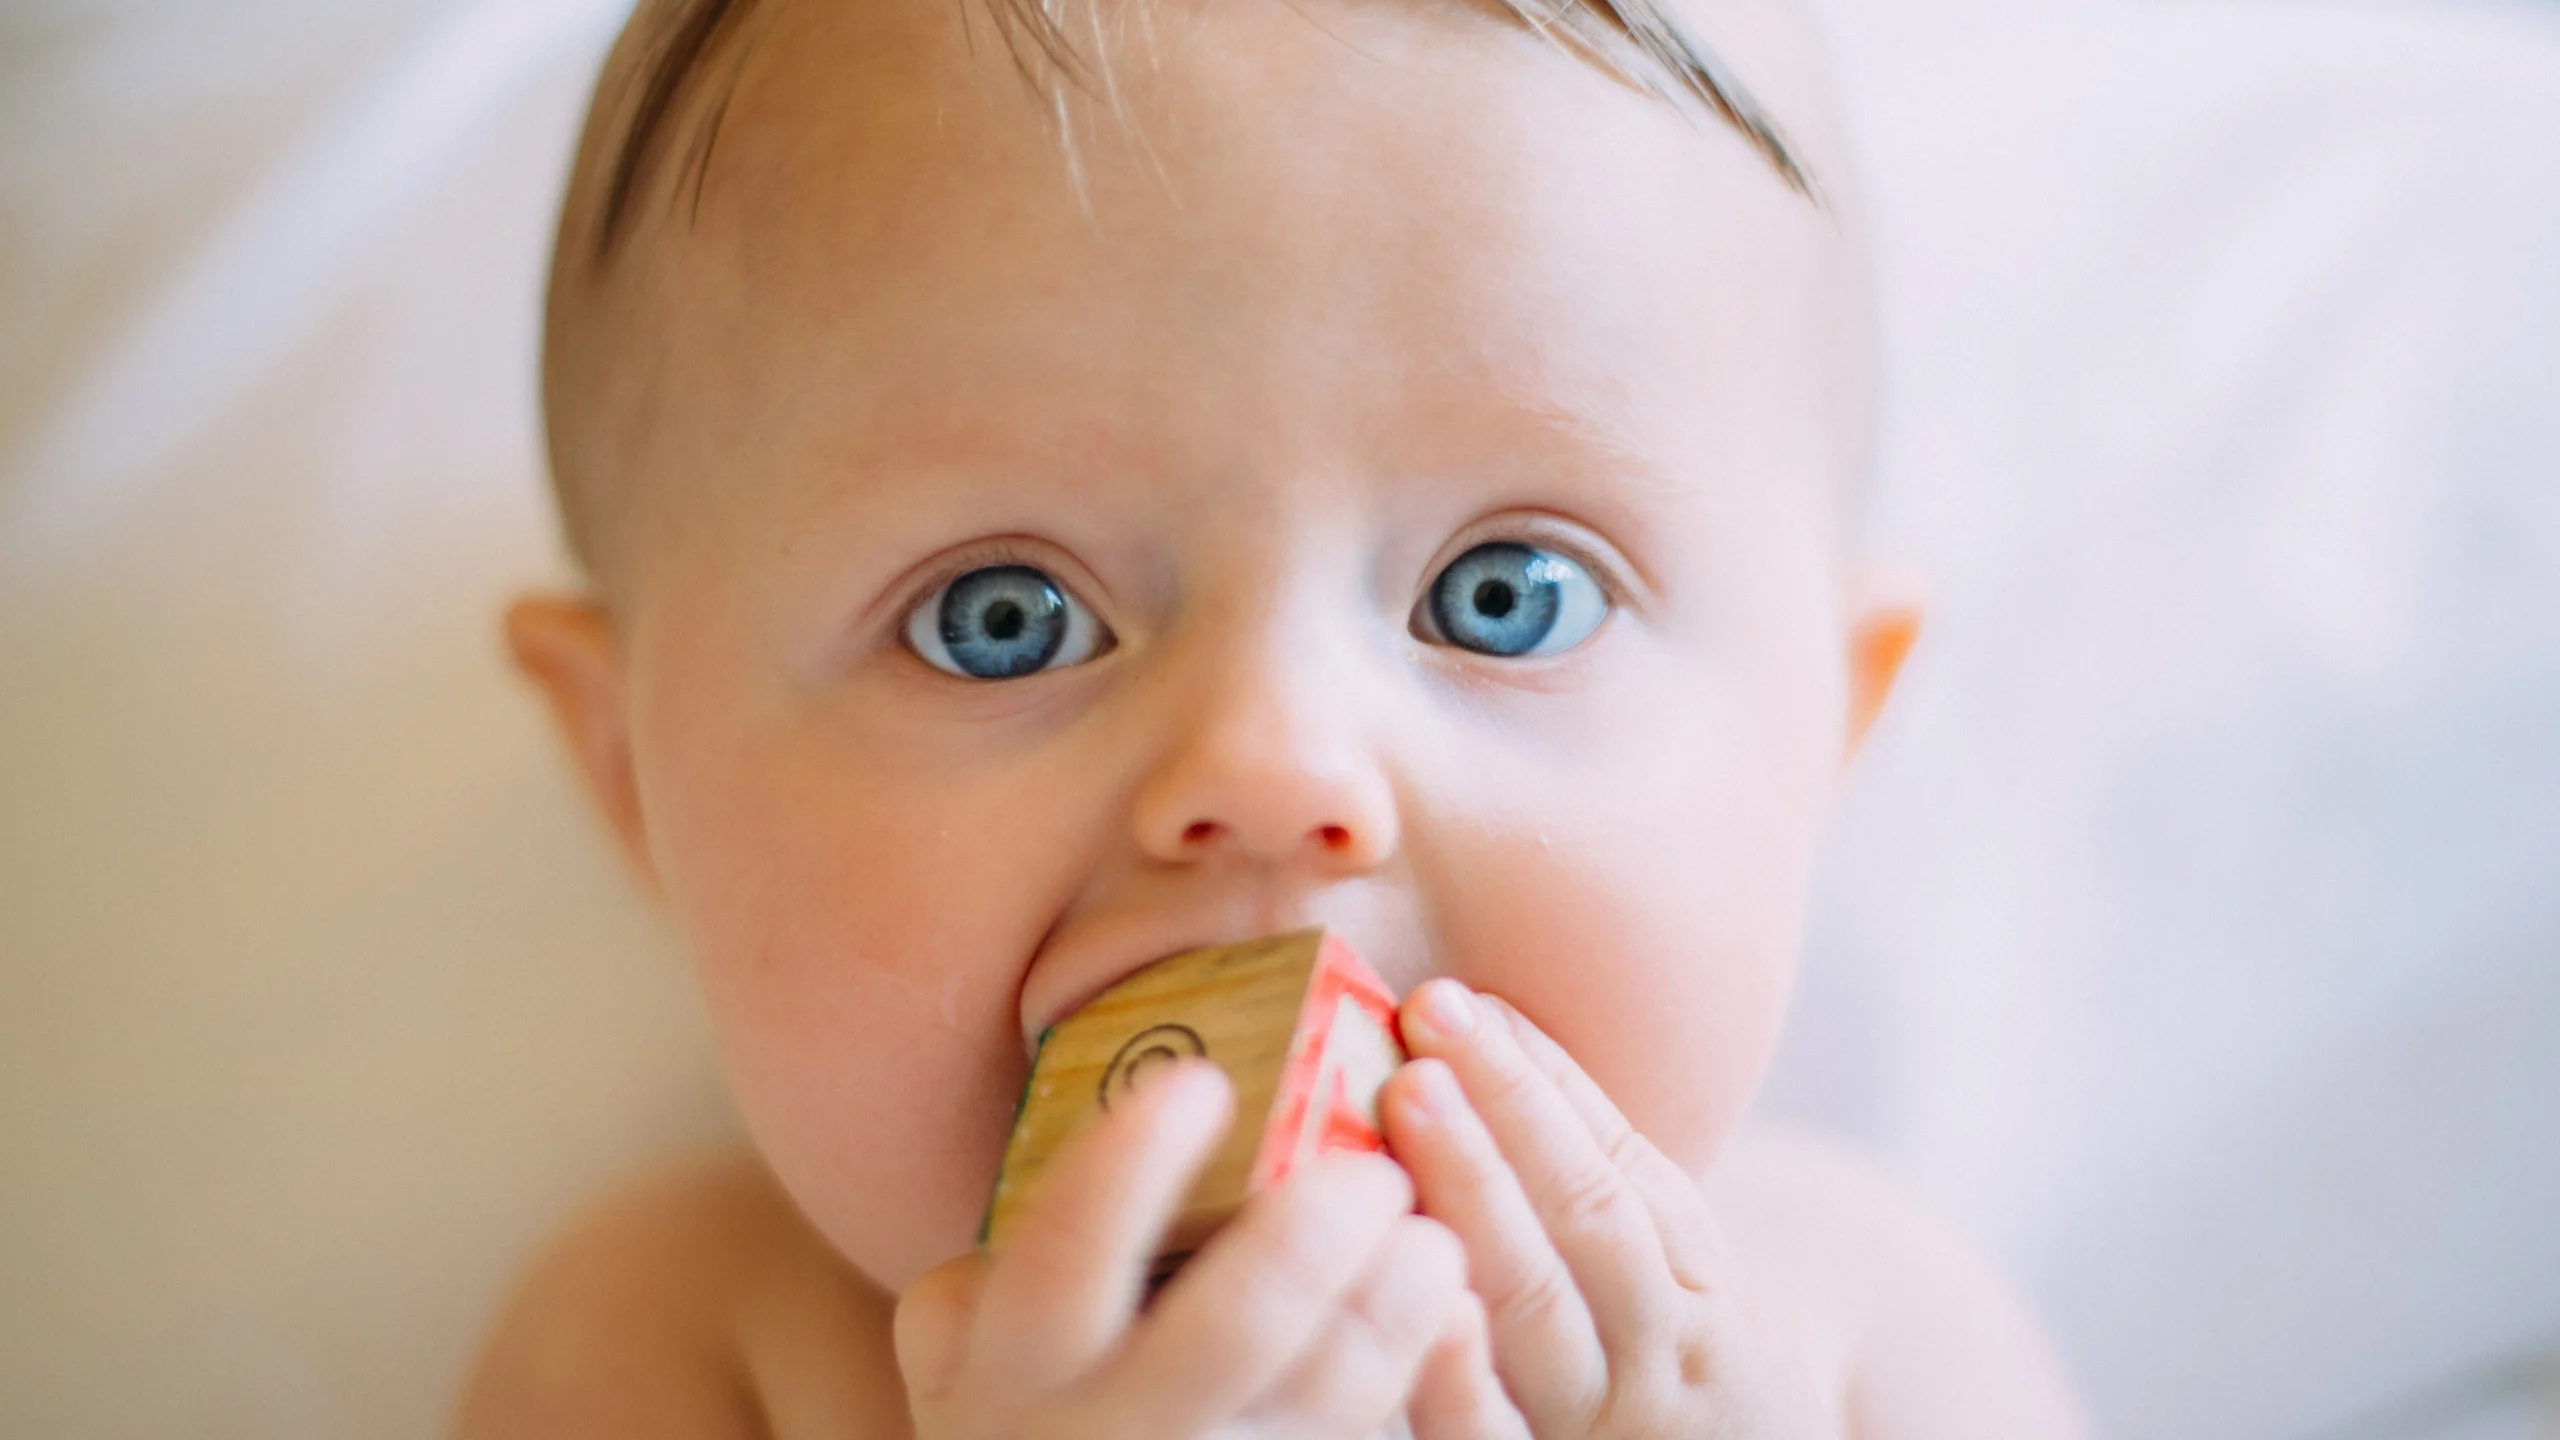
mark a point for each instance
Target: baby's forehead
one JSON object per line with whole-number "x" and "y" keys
{"x": 1407, "y": 189}
{"x": 668, "y": 90}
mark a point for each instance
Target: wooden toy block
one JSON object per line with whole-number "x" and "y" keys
{"x": 1304, "y": 1030}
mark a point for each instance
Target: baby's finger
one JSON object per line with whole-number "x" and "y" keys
{"x": 1596, "y": 1218}
{"x": 1543, "y": 1337}
{"x": 1067, "y": 1279}
{"x": 1691, "y": 1241}
{"x": 931, "y": 1328}
{"x": 1249, "y": 1304}
{"x": 1457, "y": 1396}
{"x": 1355, "y": 1375}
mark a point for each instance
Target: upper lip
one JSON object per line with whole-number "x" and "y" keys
{"x": 1068, "y": 1002}
{"x": 1063, "y": 977}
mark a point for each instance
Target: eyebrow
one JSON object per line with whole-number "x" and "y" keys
{"x": 1598, "y": 27}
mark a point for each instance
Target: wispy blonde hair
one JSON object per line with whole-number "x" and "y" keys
{"x": 1640, "y": 41}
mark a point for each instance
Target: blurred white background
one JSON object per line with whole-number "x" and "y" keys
{"x": 2194, "y": 937}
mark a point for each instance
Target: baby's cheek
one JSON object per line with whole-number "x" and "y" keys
{"x": 863, "y": 1004}
{"x": 882, "y": 1120}
{"x": 1674, "y": 1018}
{"x": 1655, "y": 945}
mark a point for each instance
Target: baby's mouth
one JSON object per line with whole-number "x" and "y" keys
{"x": 1076, "y": 1001}
{"x": 1380, "y": 922}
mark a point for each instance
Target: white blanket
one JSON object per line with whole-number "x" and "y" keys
{"x": 2198, "y": 932}
{"x": 2194, "y": 937}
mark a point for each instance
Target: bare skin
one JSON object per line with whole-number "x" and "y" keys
{"x": 1337, "y": 301}
{"x": 701, "y": 1304}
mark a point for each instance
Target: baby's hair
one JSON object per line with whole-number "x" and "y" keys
{"x": 1639, "y": 40}
{"x": 675, "y": 54}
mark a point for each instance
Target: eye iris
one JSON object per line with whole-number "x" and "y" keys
{"x": 1003, "y": 622}
{"x": 1499, "y": 599}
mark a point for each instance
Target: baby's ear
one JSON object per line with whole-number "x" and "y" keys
{"x": 1884, "y": 610}
{"x": 566, "y": 646}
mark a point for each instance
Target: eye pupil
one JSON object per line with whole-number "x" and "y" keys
{"x": 1003, "y": 622}
{"x": 1510, "y": 600}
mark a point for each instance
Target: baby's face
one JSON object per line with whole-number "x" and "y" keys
{"x": 1395, "y": 493}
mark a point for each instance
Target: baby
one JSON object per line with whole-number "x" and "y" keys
{"x": 1065, "y": 484}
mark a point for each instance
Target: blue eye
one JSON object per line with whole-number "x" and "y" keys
{"x": 1514, "y": 601}
{"x": 1002, "y": 623}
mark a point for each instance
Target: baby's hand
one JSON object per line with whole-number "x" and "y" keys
{"x": 1605, "y": 1282}
{"x": 1312, "y": 1314}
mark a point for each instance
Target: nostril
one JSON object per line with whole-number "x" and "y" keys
{"x": 1335, "y": 837}
{"x": 1199, "y": 832}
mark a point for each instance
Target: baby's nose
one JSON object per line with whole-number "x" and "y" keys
{"x": 1274, "y": 778}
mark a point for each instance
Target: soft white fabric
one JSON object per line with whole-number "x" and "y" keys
{"x": 2192, "y": 936}
{"x": 320, "y": 997}
{"x": 2198, "y": 932}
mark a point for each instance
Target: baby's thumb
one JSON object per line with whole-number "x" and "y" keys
{"x": 933, "y": 1322}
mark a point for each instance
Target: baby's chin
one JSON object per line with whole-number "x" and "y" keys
{"x": 888, "y": 1232}
{"x": 895, "y": 1197}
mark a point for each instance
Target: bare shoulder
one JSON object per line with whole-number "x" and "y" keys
{"x": 694, "y": 1303}
{"x": 1922, "y": 1338}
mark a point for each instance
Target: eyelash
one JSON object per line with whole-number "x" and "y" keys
{"x": 985, "y": 555}
{"x": 1595, "y": 562}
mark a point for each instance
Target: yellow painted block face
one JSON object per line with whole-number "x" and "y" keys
{"x": 1268, "y": 1012}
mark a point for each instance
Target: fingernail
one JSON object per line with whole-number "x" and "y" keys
{"x": 1446, "y": 1009}
{"x": 1187, "y": 1086}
